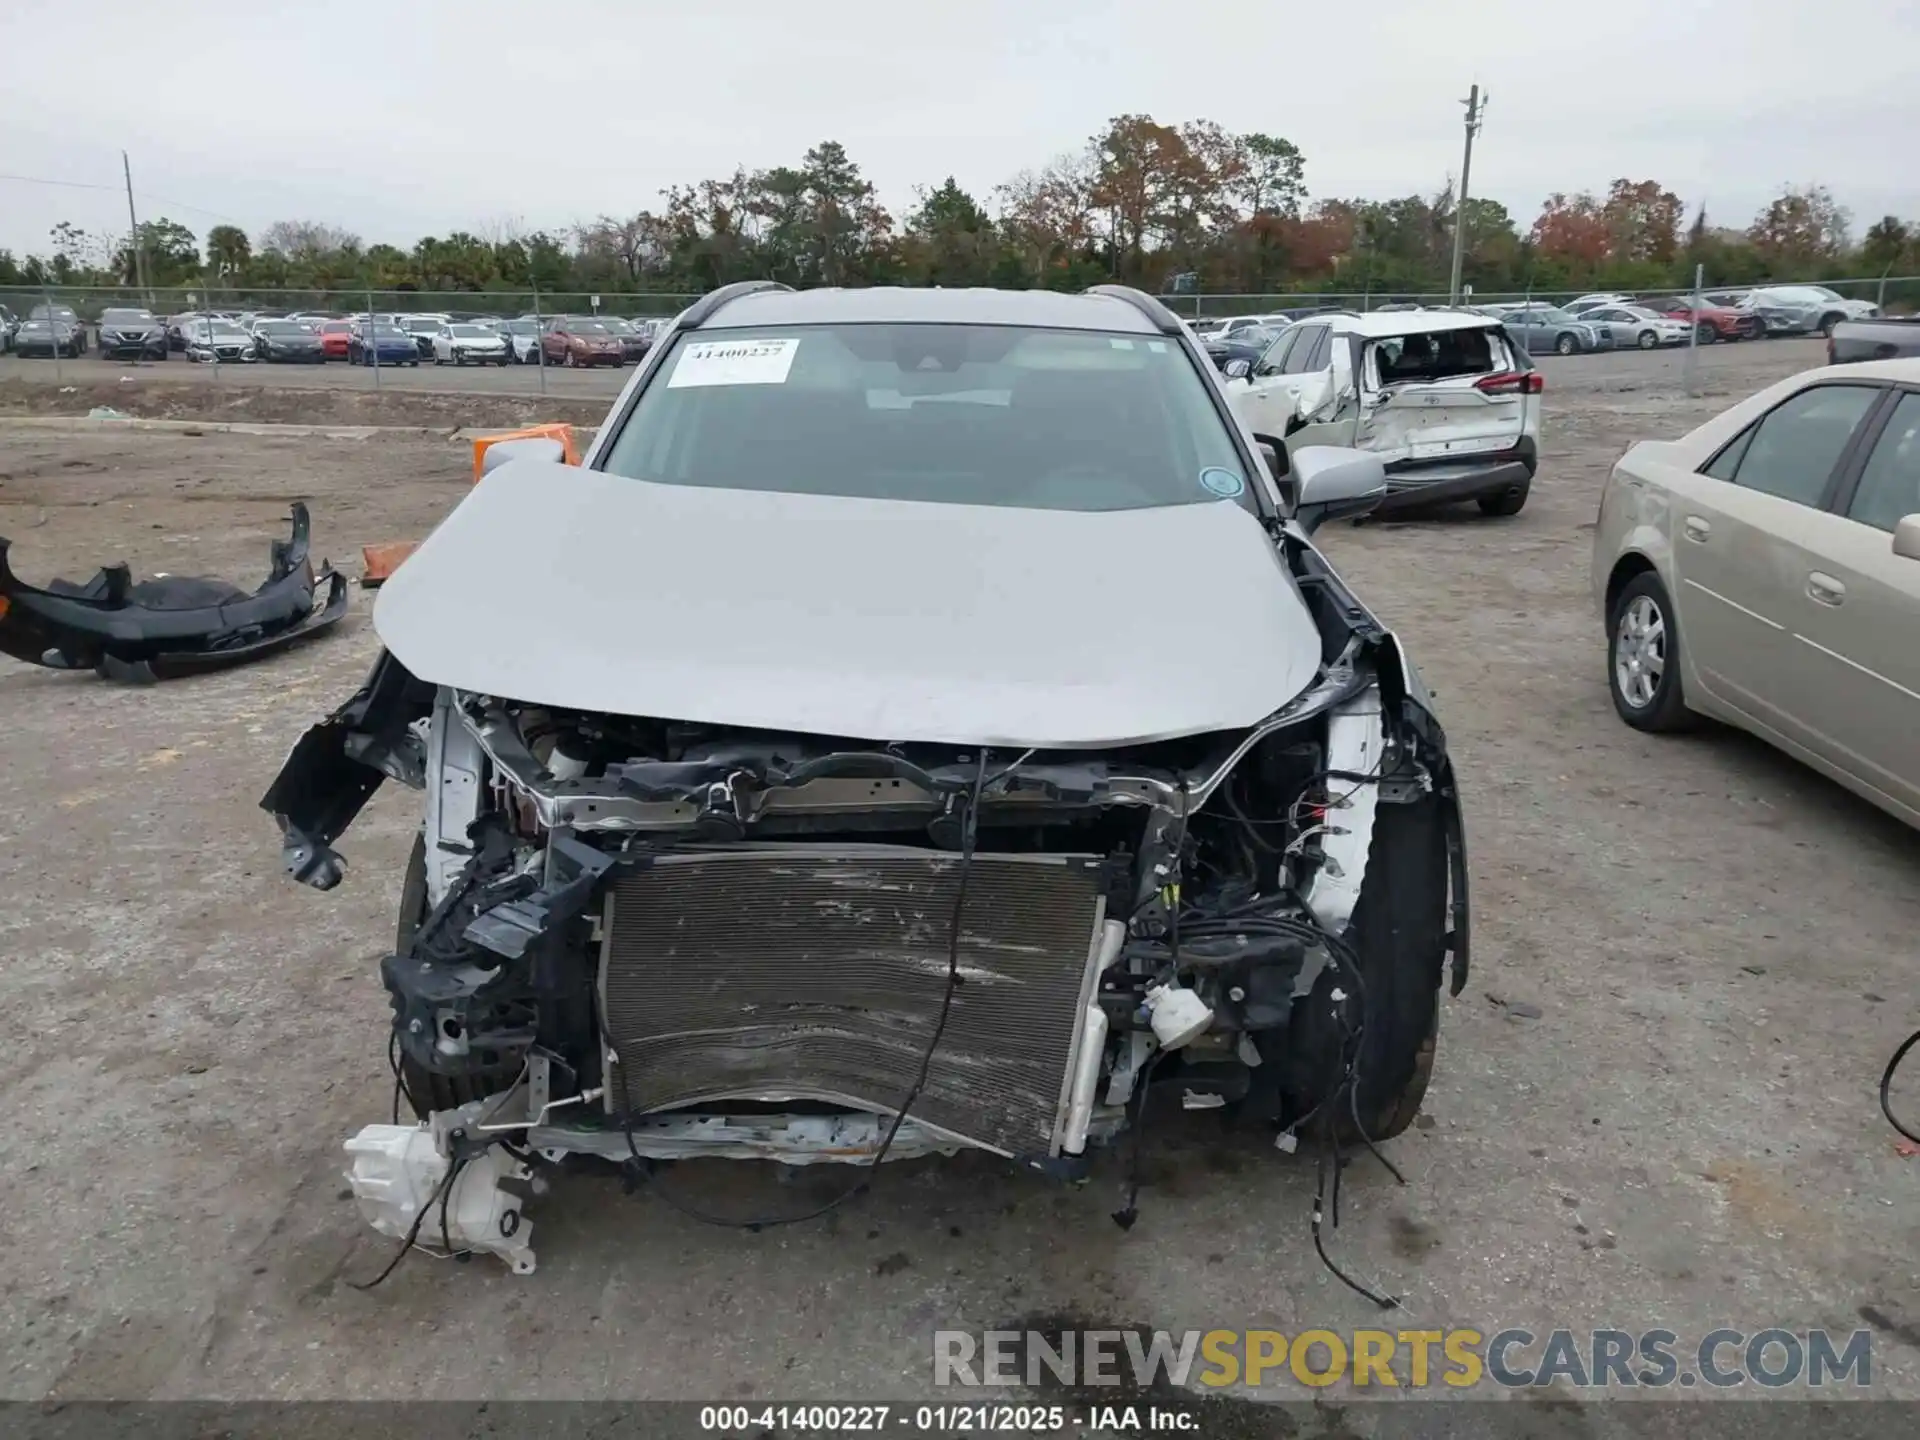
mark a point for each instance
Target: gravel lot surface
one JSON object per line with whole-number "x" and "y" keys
{"x": 1653, "y": 1105}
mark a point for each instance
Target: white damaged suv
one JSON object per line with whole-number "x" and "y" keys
{"x": 1447, "y": 399}
{"x": 933, "y": 728}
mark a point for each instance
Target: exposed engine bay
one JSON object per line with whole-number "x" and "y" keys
{"x": 644, "y": 939}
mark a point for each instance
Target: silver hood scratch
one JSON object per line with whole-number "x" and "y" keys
{"x": 878, "y": 619}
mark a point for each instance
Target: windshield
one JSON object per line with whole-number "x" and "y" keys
{"x": 222, "y": 328}
{"x": 1640, "y": 312}
{"x": 337, "y": 327}
{"x": 424, "y": 323}
{"x": 948, "y": 414}
{"x": 583, "y": 327}
{"x": 390, "y": 332}
{"x": 522, "y": 327}
{"x": 284, "y": 327}
{"x": 125, "y": 317}
{"x": 472, "y": 332}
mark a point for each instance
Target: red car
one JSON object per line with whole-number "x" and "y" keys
{"x": 1713, "y": 322}
{"x": 580, "y": 341}
{"x": 334, "y": 335}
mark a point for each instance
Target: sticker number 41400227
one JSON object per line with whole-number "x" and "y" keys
{"x": 734, "y": 362}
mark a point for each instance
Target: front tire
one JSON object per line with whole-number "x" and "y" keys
{"x": 1827, "y": 322}
{"x": 1643, "y": 657}
{"x": 1399, "y": 936}
{"x": 1705, "y": 333}
{"x": 1648, "y": 340}
{"x": 425, "y": 1091}
{"x": 1565, "y": 345}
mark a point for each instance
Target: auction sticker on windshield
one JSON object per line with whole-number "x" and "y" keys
{"x": 734, "y": 362}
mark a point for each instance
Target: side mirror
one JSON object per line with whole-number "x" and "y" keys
{"x": 1906, "y": 537}
{"x": 501, "y": 451}
{"x": 1238, "y": 370}
{"x": 1331, "y": 482}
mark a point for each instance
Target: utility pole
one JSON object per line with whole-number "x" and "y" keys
{"x": 1476, "y": 104}
{"x": 133, "y": 234}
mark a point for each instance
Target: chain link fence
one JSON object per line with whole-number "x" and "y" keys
{"x": 79, "y": 311}
{"x": 176, "y": 309}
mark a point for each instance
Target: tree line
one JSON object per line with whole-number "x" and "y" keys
{"x": 1170, "y": 208}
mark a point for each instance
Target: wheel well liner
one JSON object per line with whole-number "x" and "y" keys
{"x": 1624, "y": 569}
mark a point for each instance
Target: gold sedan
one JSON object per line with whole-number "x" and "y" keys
{"x": 1765, "y": 570}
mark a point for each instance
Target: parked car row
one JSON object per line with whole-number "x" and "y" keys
{"x": 1746, "y": 314}
{"x": 132, "y": 333}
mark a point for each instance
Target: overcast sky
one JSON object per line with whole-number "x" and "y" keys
{"x": 399, "y": 118}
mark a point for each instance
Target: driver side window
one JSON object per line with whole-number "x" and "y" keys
{"x": 1791, "y": 451}
{"x": 1274, "y": 361}
{"x": 1300, "y": 358}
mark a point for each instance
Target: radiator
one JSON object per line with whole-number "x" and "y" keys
{"x": 794, "y": 971}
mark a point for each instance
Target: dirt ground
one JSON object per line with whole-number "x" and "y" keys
{"x": 329, "y": 397}
{"x": 1653, "y": 1105}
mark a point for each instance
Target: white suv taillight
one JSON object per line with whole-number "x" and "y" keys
{"x": 1512, "y": 382}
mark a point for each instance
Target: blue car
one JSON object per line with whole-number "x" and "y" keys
{"x": 390, "y": 346}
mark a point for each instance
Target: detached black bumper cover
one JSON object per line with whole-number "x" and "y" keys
{"x": 176, "y": 625}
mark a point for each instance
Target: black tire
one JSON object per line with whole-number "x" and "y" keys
{"x": 1399, "y": 935}
{"x": 1508, "y": 501}
{"x": 1704, "y": 333}
{"x": 1647, "y": 340}
{"x": 1666, "y": 708}
{"x": 1565, "y": 345}
{"x": 1827, "y": 322}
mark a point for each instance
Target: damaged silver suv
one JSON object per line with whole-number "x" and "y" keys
{"x": 932, "y": 726}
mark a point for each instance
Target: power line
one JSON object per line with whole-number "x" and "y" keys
{"x": 154, "y": 199}
{"x": 69, "y": 184}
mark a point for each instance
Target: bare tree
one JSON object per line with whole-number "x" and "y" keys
{"x": 305, "y": 239}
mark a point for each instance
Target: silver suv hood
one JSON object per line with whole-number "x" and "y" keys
{"x": 878, "y": 619}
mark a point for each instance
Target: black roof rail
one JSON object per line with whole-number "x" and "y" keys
{"x": 705, "y": 308}
{"x": 1164, "y": 320}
